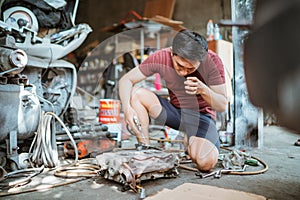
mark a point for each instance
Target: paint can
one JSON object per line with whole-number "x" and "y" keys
{"x": 109, "y": 115}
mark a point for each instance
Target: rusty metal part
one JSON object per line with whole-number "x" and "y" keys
{"x": 130, "y": 167}
{"x": 90, "y": 146}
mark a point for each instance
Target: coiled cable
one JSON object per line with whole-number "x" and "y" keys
{"x": 25, "y": 176}
{"x": 43, "y": 147}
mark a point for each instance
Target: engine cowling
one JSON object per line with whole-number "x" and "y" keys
{"x": 20, "y": 110}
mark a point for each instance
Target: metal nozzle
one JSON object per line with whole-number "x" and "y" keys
{"x": 137, "y": 123}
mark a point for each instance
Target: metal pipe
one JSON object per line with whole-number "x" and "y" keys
{"x": 75, "y": 11}
{"x": 245, "y": 118}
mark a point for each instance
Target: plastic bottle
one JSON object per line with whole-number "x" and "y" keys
{"x": 217, "y": 35}
{"x": 229, "y": 133}
{"x": 210, "y": 30}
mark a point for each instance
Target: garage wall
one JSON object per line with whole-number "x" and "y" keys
{"x": 194, "y": 13}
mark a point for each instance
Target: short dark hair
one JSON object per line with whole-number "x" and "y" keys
{"x": 190, "y": 45}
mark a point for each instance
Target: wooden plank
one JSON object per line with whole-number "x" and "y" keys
{"x": 176, "y": 25}
{"x": 163, "y": 8}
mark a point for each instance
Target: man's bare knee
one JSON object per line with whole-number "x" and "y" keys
{"x": 203, "y": 153}
{"x": 206, "y": 164}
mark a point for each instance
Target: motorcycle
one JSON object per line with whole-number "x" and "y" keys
{"x": 36, "y": 83}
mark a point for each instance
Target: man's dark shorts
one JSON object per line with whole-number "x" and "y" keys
{"x": 189, "y": 121}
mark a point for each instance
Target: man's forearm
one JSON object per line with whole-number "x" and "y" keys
{"x": 125, "y": 87}
{"x": 217, "y": 101}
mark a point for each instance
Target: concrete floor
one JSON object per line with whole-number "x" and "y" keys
{"x": 281, "y": 181}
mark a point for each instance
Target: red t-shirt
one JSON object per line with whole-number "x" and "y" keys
{"x": 210, "y": 71}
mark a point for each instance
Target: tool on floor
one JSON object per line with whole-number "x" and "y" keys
{"x": 218, "y": 173}
{"x": 201, "y": 175}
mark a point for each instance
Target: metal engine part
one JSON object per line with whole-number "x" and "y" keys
{"x": 20, "y": 110}
{"x": 130, "y": 167}
{"x": 34, "y": 79}
{"x": 12, "y": 61}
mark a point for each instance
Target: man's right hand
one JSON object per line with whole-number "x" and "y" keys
{"x": 130, "y": 116}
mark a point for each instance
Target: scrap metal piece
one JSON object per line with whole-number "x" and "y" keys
{"x": 201, "y": 175}
{"x": 130, "y": 167}
{"x": 218, "y": 173}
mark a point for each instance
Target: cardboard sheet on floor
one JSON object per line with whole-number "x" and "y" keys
{"x": 193, "y": 191}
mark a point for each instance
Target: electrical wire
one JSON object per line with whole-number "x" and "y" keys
{"x": 42, "y": 153}
{"x": 84, "y": 168}
{"x": 264, "y": 164}
{"x": 181, "y": 164}
{"x": 43, "y": 147}
{"x": 20, "y": 173}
